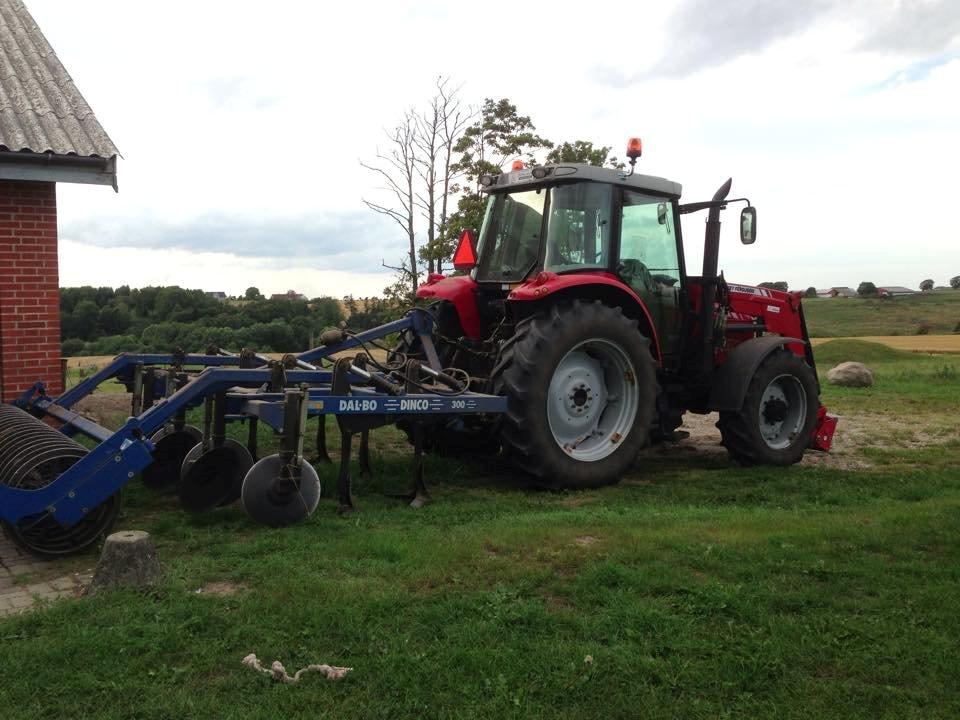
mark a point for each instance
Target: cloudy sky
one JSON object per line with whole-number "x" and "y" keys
{"x": 242, "y": 124}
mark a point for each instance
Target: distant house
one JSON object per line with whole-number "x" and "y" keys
{"x": 288, "y": 295}
{"x": 218, "y": 295}
{"x": 894, "y": 291}
{"x": 843, "y": 292}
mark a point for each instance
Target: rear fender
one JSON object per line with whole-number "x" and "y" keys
{"x": 550, "y": 288}
{"x": 731, "y": 380}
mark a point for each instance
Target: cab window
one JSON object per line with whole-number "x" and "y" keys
{"x": 578, "y": 227}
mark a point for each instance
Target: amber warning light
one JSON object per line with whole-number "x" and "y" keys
{"x": 465, "y": 258}
{"x": 634, "y": 148}
{"x": 517, "y": 165}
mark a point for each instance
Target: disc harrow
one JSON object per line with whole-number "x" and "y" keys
{"x": 58, "y": 497}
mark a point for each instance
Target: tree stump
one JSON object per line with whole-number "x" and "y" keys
{"x": 129, "y": 559}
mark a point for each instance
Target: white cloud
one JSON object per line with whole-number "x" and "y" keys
{"x": 82, "y": 264}
{"x": 247, "y": 110}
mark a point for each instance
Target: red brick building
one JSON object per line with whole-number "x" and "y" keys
{"x": 48, "y": 134}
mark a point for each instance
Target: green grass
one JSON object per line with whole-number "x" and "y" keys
{"x": 698, "y": 589}
{"x": 905, "y": 383}
{"x": 936, "y": 313}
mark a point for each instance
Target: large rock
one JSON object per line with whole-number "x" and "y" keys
{"x": 850, "y": 374}
{"x": 129, "y": 559}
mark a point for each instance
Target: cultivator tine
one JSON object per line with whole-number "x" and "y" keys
{"x": 360, "y": 361}
{"x": 420, "y": 496}
{"x": 322, "y": 454}
{"x": 364, "y": 455}
{"x": 420, "y": 493}
{"x": 341, "y": 386}
{"x": 345, "y": 496}
{"x": 252, "y": 429}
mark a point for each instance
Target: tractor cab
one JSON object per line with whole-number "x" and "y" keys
{"x": 608, "y": 227}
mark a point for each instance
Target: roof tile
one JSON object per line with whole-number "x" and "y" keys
{"x": 41, "y": 109}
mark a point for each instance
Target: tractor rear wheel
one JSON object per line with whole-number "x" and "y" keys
{"x": 779, "y": 412}
{"x": 581, "y": 385}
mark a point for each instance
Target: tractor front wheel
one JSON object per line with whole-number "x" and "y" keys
{"x": 776, "y": 422}
{"x": 580, "y": 383}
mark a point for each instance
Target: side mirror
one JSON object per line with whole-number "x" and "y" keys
{"x": 748, "y": 225}
{"x": 662, "y": 213}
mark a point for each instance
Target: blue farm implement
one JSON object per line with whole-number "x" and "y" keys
{"x": 57, "y": 497}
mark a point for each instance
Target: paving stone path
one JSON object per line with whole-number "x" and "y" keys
{"x": 26, "y": 581}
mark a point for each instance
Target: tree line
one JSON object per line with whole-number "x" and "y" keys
{"x": 864, "y": 289}
{"x": 107, "y": 321}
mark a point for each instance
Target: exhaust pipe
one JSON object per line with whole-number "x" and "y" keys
{"x": 711, "y": 256}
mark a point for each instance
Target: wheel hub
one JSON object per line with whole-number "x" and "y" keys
{"x": 592, "y": 400}
{"x": 783, "y": 411}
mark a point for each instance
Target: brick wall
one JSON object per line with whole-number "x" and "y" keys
{"x": 29, "y": 288}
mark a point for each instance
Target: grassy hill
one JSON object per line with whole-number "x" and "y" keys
{"x": 933, "y": 313}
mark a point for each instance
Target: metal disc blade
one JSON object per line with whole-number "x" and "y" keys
{"x": 209, "y": 480}
{"x": 171, "y": 448}
{"x": 269, "y": 501}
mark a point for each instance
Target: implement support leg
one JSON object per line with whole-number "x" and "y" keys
{"x": 365, "y": 470}
{"x": 420, "y": 494}
{"x": 322, "y": 454}
{"x": 346, "y": 505}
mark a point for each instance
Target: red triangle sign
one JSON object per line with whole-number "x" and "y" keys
{"x": 465, "y": 258}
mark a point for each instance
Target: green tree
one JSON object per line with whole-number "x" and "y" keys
{"x": 252, "y": 293}
{"x": 955, "y": 282}
{"x": 866, "y": 289}
{"x": 499, "y": 134}
{"x": 778, "y": 285}
{"x": 811, "y": 292}
{"x": 926, "y": 285}
{"x": 114, "y": 318}
{"x": 584, "y": 153}
{"x": 83, "y": 322}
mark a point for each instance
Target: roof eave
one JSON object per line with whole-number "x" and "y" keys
{"x": 50, "y": 167}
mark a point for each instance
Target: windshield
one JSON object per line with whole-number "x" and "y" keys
{"x": 577, "y": 228}
{"x": 510, "y": 236}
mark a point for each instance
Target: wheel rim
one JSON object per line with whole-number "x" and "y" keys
{"x": 593, "y": 400}
{"x": 783, "y": 411}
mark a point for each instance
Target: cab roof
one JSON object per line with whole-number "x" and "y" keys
{"x": 566, "y": 171}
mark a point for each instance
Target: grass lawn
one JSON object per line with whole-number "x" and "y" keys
{"x": 696, "y": 589}
{"x": 934, "y": 313}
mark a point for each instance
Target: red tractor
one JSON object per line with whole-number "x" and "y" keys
{"x": 577, "y": 307}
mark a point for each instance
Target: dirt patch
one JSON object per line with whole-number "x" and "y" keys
{"x": 854, "y": 433}
{"x": 491, "y": 549}
{"x": 220, "y": 588}
{"x": 107, "y": 409}
{"x": 585, "y": 540}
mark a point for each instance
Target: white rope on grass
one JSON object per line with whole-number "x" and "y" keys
{"x": 279, "y": 673}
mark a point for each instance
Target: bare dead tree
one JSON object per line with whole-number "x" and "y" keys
{"x": 427, "y": 142}
{"x": 454, "y": 120}
{"x": 438, "y": 129}
{"x": 397, "y": 168}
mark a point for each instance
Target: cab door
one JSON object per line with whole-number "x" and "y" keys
{"x": 649, "y": 262}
